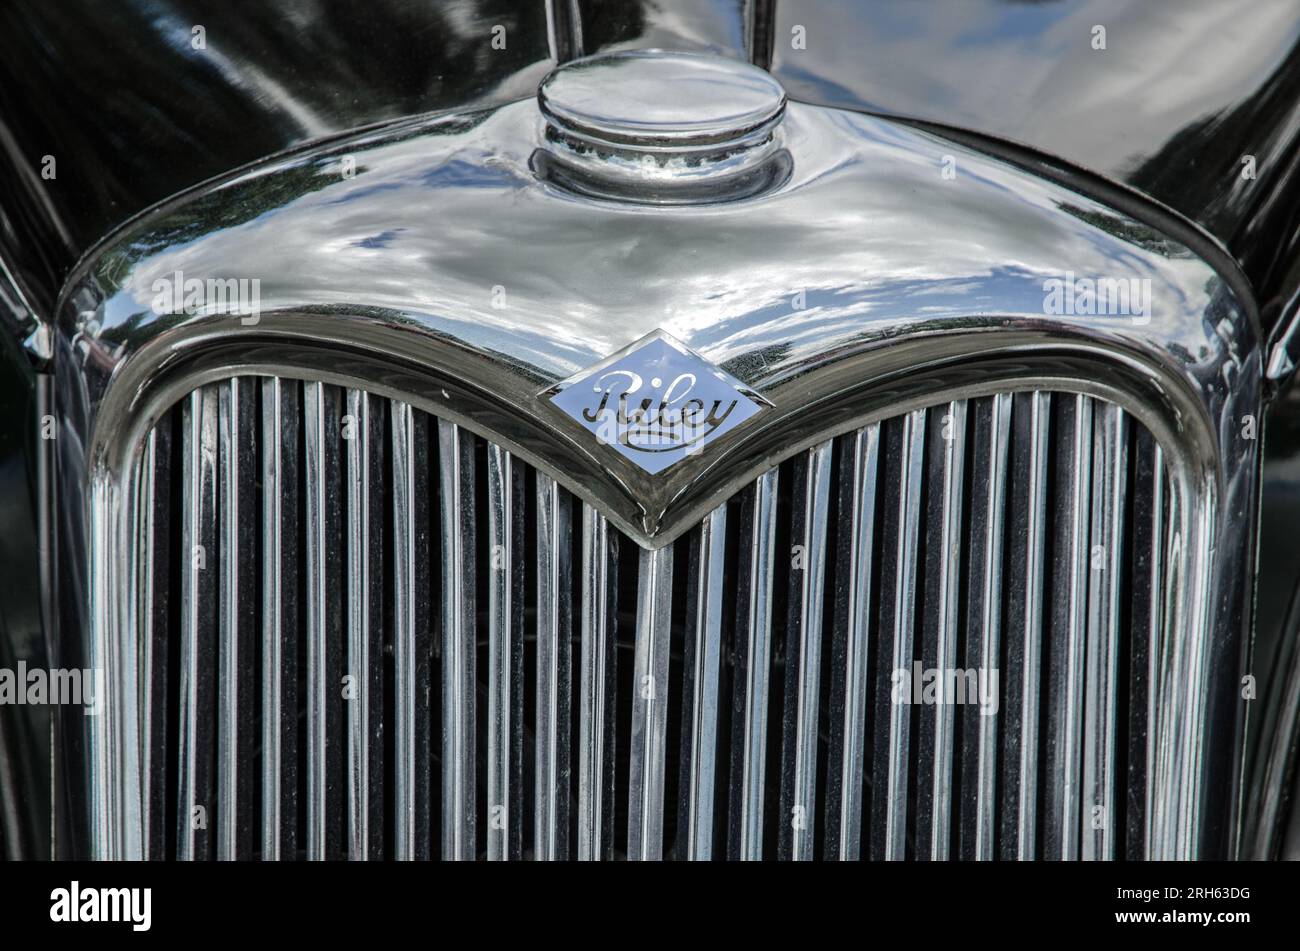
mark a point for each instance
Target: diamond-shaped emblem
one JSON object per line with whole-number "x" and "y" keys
{"x": 657, "y": 402}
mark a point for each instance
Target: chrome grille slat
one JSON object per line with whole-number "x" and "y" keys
{"x": 1149, "y": 545}
{"x": 279, "y": 617}
{"x": 379, "y": 538}
{"x": 1032, "y": 421}
{"x": 198, "y": 622}
{"x": 936, "y": 745}
{"x": 459, "y": 640}
{"x": 412, "y": 638}
{"x": 854, "y": 623}
{"x": 153, "y": 554}
{"x": 554, "y": 635}
{"x": 753, "y": 646}
{"x": 363, "y": 441}
{"x": 704, "y": 654}
{"x": 322, "y": 415}
{"x": 650, "y": 706}
{"x": 236, "y": 617}
{"x": 984, "y": 639}
{"x": 597, "y": 688}
{"x": 1110, "y": 480}
{"x": 892, "y": 778}
{"x": 811, "y": 504}
{"x": 505, "y": 655}
{"x": 1068, "y": 633}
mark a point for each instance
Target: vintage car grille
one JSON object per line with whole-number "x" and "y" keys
{"x": 523, "y": 681}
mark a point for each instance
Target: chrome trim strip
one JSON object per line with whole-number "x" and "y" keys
{"x": 501, "y": 650}
{"x": 272, "y": 621}
{"x": 1032, "y": 691}
{"x": 554, "y": 630}
{"x": 954, "y": 461}
{"x": 143, "y": 606}
{"x": 901, "y": 644}
{"x": 990, "y": 630}
{"x": 757, "y": 632}
{"x": 799, "y": 816}
{"x": 318, "y": 739}
{"x": 1160, "y": 535}
{"x": 596, "y": 687}
{"x": 410, "y": 780}
{"x": 703, "y": 727}
{"x": 865, "y": 448}
{"x": 358, "y": 581}
{"x": 198, "y": 622}
{"x": 1110, "y": 480}
{"x": 459, "y": 643}
{"x": 645, "y": 823}
{"x": 279, "y": 616}
{"x": 232, "y": 663}
{"x": 1064, "y": 786}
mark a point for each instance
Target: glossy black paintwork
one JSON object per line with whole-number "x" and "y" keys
{"x": 24, "y": 729}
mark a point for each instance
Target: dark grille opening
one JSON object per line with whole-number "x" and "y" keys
{"x": 418, "y": 623}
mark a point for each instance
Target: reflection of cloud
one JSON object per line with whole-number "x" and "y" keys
{"x": 869, "y": 233}
{"x": 1027, "y": 72}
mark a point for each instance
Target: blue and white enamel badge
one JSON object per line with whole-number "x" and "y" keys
{"x": 657, "y": 402}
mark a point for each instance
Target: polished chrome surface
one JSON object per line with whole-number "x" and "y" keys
{"x": 596, "y": 679}
{"x": 917, "y": 308}
{"x": 459, "y": 642}
{"x": 505, "y": 654}
{"x": 901, "y": 632}
{"x": 198, "y": 621}
{"x": 706, "y": 639}
{"x": 554, "y": 678}
{"x": 813, "y": 534}
{"x": 319, "y": 686}
{"x": 748, "y": 780}
{"x": 804, "y": 633}
{"x": 612, "y": 131}
{"x": 1101, "y": 687}
{"x": 346, "y": 304}
{"x": 411, "y": 727}
{"x": 651, "y": 98}
{"x": 645, "y": 809}
{"x": 149, "y": 545}
{"x": 279, "y": 613}
{"x": 948, "y": 619}
{"x": 864, "y": 447}
{"x": 1069, "y": 626}
{"x": 234, "y": 681}
{"x": 364, "y": 598}
{"x": 988, "y": 571}
{"x": 1030, "y": 629}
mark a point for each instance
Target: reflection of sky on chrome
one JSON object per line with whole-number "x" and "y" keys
{"x": 878, "y": 236}
{"x": 1028, "y": 72}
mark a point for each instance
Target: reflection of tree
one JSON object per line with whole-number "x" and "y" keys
{"x": 220, "y": 209}
{"x": 606, "y": 24}
{"x": 1126, "y": 229}
{"x": 756, "y": 363}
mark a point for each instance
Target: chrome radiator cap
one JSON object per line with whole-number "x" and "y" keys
{"x": 658, "y": 126}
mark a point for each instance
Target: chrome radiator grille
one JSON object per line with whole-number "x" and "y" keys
{"x": 365, "y": 632}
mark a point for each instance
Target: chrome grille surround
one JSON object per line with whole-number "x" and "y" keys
{"x": 941, "y": 790}
{"x": 866, "y": 351}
